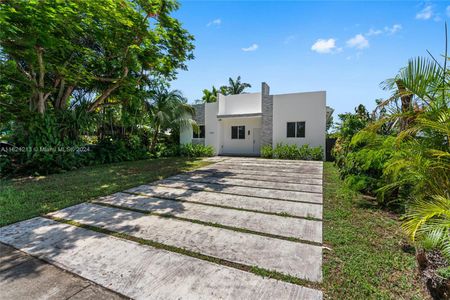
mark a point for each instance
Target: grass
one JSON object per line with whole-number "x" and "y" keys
{"x": 365, "y": 260}
{"x": 252, "y": 269}
{"x": 281, "y": 214}
{"x": 211, "y": 224}
{"x": 25, "y": 198}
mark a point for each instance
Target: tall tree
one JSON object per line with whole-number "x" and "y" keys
{"x": 62, "y": 46}
{"x": 235, "y": 86}
{"x": 210, "y": 96}
{"x": 167, "y": 110}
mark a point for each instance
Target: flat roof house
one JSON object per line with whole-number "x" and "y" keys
{"x": 241, "y": 124}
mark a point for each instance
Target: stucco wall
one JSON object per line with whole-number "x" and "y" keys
{"x": 267, "y": 115}
{"x": 308, "y": 107}
{"x": 186, "y": 132}
{"x": 240, "y": 104}
{"x": 236, "y": 146}
{"x": 212, "y": 132}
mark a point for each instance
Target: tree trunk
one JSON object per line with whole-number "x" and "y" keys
{"x": 63, "y": 100}
{"x": 154, "y": 139}
{"x": 40, "y": 105}
{"x": 108, "y": 91}
{"x": 406, "y": 104}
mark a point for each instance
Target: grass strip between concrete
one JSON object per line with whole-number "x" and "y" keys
{"x": 281, "y": 214}
{"x": 237, "y": 194}
{"x": 252, "y": 269}
{"x": 212, "y": 224}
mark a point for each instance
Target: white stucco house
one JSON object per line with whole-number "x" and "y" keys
{"x": 242, "y": 124}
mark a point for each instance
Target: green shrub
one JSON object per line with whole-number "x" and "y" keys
{"x": 110, "y": 150}
{"x": 45, "y": 144}
{"x": 266, "y": 151}
{"x": 196, "y": 150}
{"x": 292, "y": 152}
{"x": 444, "y": 272}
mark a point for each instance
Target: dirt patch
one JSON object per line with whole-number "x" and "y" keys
{"x": 429, "y": 263}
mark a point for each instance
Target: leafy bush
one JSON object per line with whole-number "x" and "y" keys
{"x": 292, "y": 152}
{"x": 110, "y": 150}
{"x": 266, "y": 151}
{"x": 428, "y": 222}
{"x": 444, "y": 272}
{"x": 196, "y": 150}
{"x": 44, "y": 144}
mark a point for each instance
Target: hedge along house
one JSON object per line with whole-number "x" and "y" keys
{"x": 241, "y": 124}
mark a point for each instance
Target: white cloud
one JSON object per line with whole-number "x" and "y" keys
{"x": 358, "y": 42}
{"x": 253, "y": 47}
{"x": 374, "y": 32}
{"x": 215, "y": 22}
{"x": 289, "y": 39}
{"x": 425, "y": 13}
{"x": 386, "y": 30}
{"x": 394, "y": 29}
{"x": 324, "y": 46}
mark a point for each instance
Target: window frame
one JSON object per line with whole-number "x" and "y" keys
{"x": 200, "y": 134}
{"x": 238, "y": 132}
{"x": 299, "y": 129}
{"x": 289, "y": 133}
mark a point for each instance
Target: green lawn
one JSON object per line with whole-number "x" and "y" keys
{"x": 366, "y": 260}
{"x": 25, "y": 198}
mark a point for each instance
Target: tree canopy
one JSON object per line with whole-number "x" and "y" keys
{"x": 51, "y": 49}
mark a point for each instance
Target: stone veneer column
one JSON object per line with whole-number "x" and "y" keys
{"x": 267, "y": 115}
{"x": 199, "y": 113}
{"x": 200, "y": 119}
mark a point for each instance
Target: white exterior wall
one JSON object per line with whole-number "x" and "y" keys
{"x": 186, "y": 135}
{"x": 308, "y": 107}
{"x": 236, "y": 146}
{"x": 212, "y": 132}
{"x": 239, "y": 104}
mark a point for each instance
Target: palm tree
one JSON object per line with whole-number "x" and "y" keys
{"x": 416, "y": 86}
{"x": 168, "y": 109}
{"x": 210, "y": 96}
{"x": 236, "y": 86}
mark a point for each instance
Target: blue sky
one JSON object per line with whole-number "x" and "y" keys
{"x": 346, "y": 48}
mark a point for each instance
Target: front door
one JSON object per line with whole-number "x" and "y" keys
{"x": 256, "y": 140}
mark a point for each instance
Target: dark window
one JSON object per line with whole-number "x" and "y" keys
{"x": 301, "y": 129}
{"x": 295, "y": 129}
{"x": 290, "y": 129}
{"x": 241, "y": 133}
{"x": 200, "y": 134}
{"x": 237, "y": 132}
{"x": 234, "y": 132}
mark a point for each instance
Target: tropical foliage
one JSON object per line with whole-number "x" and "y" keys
{"x": 285, "y": 151}
{"x": 234, "y": 87}
{"x": 86, "y": 82}
{"x": 400, "y": 153}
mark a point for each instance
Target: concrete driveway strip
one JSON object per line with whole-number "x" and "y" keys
{"x": 138, "y": 271}
{"x": 250, "y": 183}
{"x": 299, "y": 209}
{"x": 309, "y": 230}
{"x": 316, "y": 171}
{"x": 25, "y": 277}
{"x": 257, "y": 176}
{"x": 244, "y": 191}
{"x": 293, "y": 166}
{"x": 292, "y": 258}
{"x": 274, "y": 174}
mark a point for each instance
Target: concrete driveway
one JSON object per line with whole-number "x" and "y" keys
{"x": 207, "y": 234}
